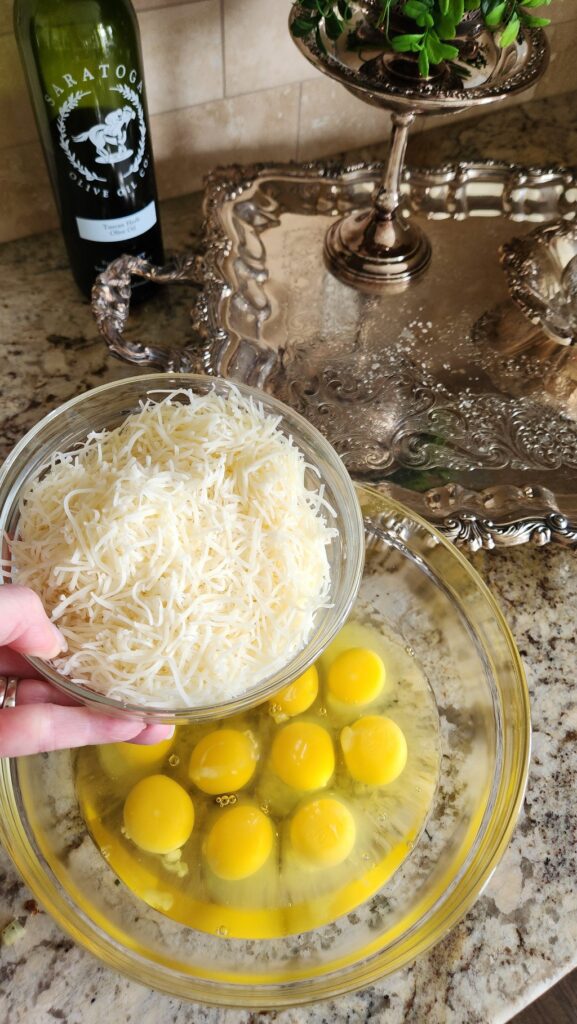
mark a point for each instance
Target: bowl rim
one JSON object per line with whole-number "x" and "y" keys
{"x": 133, "y": 964}
{"x": 351, "y": 524}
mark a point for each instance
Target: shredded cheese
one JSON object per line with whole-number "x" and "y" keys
{"x": 183, "y": 554}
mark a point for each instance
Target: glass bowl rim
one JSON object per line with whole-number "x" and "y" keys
{"x": 351, "y": 523}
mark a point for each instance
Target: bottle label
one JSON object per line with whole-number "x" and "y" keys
{"x": 118, "y": 229}
{"x": 100, "y": 127}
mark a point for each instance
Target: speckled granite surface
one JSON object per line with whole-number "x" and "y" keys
{"x": 522, "y": 934}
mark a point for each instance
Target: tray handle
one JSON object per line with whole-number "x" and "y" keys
{"x": 111, "y": 294}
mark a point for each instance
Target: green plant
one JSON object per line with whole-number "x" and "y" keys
{"x": 435, "y": 23}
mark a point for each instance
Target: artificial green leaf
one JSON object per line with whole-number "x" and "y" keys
{"x": 495, "y": 16}
{"x": 438, "y": 51}
{"x": 433, "y": 46}
{"x": 333, "y": 26}
{"x": 449, "y": 52}
{"x": 532, "y": 22}
{"x": 407, "y": 43}
{"x": 423, "y": 63}
{"x": 457, "y": 10}
{"x": 510, "y": 32}
{"x": 535, "y": 3}
{"x": 414, "y": 9}
{"x": 446, "y": 27}
{"x": 302, "y": 26}
{"x": 471, "y": 5}
{"x": 444, "y": 7}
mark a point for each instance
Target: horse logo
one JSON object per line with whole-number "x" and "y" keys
{"x": 109, "y": 137}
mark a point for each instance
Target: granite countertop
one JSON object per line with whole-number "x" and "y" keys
{"x": 522, "y": 934}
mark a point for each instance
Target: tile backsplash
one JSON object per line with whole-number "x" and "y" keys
{"x": 225, "y": 84}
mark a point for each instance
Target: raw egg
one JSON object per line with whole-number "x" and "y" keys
{"x": 294, "y": 823}
{"x": 375, "y": 750}
{"x": 323, "y": 832}
{"x": 356, "y": 676}
{"x": 239, "y": 843}
{"x": 119, "y": 758}
{"x": 297, "y": 696}
{"x": 158, "y": 815}
{"x": 303, "y": 755}
{"x": 223, "y": 761}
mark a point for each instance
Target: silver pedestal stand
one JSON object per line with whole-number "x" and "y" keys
{"x": 377, "y": 249}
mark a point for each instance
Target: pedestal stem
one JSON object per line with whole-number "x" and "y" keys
{"x": 389, "y": 194}
{"x": 376, "y": 248}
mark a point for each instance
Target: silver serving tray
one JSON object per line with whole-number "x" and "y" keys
{"x": 444, "y": 393}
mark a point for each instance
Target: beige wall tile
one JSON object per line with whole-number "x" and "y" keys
{"x": 332, "y": 120}
{"x": 561, "y": 75}
{"x": 259, "y": 52}
{"x": 16, "y": 118}
{"x": 182, "y": 52}
{"x": 26, "y": 203}
{"x": 189, "y": 143}
{"x": 5, "y": 15}
{"x": 149, "y": 5}
{"x": 559, "y": 10}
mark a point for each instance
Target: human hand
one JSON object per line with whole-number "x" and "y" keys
{"x": 45, "y": 718}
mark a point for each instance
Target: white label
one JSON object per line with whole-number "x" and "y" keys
{"x": 118, "y": 229}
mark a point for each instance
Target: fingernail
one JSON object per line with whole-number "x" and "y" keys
{"x": 59, "y": 639}
{"x": 163, "y": 732}
{"x": 152, "y": 734}
{"x": 126, "y": 728}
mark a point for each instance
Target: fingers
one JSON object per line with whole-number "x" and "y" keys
{"x": 33, "y": 728}
{"x": 12, "y": 664}
{"x": 25, "y": 626}
{"x": 35, "y": 692}
{"x": 38, "y": 691}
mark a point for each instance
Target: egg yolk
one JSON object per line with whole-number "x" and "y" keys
{"x": 323, "y": 832}
{"x": 298, "y": 695}
{"x": 239, "y": 843}
{"x": 356, "y": 676}
{"x": 223, "y": 762}
{"x": 158, "y": 815}
{"x": 375, "y": 750}
{"x": 303, "y": 756}
{"x": 117, "y": 758}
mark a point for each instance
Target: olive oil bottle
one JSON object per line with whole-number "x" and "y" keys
{"x": 83, "y": 65}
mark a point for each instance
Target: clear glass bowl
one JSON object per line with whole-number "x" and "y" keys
{"x": 109, "y": 405}
{"x": 426, "y": 592}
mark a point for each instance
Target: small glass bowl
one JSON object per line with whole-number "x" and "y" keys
{"x": 107, "y": 407}
{"x": 426, "y": 593}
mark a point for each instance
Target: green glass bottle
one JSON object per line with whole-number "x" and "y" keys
{"x": 83, "y": 64}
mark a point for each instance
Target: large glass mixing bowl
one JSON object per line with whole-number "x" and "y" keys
{"x": 426, "y": 592}
{"x": 108, "y": 406}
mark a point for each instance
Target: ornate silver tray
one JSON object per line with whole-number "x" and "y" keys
{"x": 443, "y": 392}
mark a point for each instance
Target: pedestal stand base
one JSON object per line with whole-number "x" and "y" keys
{"x": 374, "y": 253}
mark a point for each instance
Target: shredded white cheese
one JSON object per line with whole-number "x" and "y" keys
{"x": 182, "y": 554}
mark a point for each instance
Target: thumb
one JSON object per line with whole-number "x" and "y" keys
{"x": 25, "y": 626}
{"x": 33, "y": 728}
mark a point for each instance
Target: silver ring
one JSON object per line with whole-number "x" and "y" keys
{"x": 8, "y": 686}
